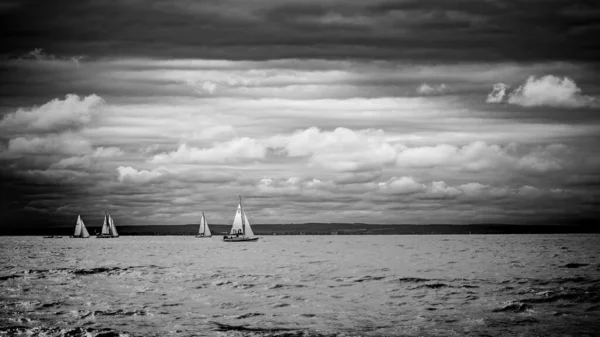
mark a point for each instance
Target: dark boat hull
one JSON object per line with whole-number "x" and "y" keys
{"x": 106, "y": 237}
{"x": 239, "y": 239}
{"x": 204, "y": 236}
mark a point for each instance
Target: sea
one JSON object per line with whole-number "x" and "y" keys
{"x": 344, "y": 285}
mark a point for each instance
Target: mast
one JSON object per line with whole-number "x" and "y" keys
{"x": 242, "y": 213}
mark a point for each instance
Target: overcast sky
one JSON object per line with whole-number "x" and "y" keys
{"x": 314, "y": 111}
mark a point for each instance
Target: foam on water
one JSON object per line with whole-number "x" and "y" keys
{"x": 467, "y": 285}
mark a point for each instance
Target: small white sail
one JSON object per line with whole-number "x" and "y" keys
{"x": 78, "y": 227}
{"x": 80, "y": 230}
{"x": 113, "y": 229}
{"x": 236, "y": 228}
{"x": 105, "y": 226}
{"x": 204, "y": 230}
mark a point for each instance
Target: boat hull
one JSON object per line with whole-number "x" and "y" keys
{"x": 239, "y": 239}
{"x": 79, "y": 237}
{"x": 204, "y": 236}
{"x": 106, "y": 237}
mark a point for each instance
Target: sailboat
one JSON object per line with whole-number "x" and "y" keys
{"x": 108, "y": 228}
{"x": 80, "y": 230}
{"x": 203, "y": 231}
{"x": 240, "y": 229}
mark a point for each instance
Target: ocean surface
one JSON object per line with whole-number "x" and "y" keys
{"x": 424, "y": 285}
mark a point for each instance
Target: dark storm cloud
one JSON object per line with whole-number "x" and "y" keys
{"x": 423, "y": 31}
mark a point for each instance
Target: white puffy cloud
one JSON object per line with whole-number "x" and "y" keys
{"x": 441, "y": 190}
{"x": 547, "y": 90}
{"x": 426, "y": 89}
{"x": 427, "y": 156}
{"x": 54, "y": 144}
{"x": 129, "y": 174}
{"x": 341, "y": 149}
{"x": 55, "y": 116}
{"x": 497, "y": 94}
{"x": 475, "y": 156}
{"x": 402, "y": 185}
{"x": 237, "y": 149}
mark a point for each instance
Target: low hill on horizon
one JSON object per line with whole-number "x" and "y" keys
{"x": 322, "y": 229}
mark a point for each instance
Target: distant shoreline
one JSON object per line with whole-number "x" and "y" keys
{"x": 323, "y": 229}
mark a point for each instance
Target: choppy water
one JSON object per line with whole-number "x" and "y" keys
{"x": 460, "y": 285}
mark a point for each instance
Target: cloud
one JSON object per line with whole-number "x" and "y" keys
{"x": 441, "y": 190}
{"x": 341, "y": 149}
{"x": 86, "y": 161}
{"x": 202, "y": 86}
{"x": 478, "y": 156}
{"x": 72, "y": 113}
{"x": 54, "y": 144}
{"x": 497, "y": 94}
{"x": 107, "y": 152}
{"x": 214, "y": 132}
{"x": 547, "y": 90}
{"x": 550, "y": 91}
{"x": 475, "y": 156}
{"x": 426, "y": 89}
{"x": 129, "y": 174}
{"x": 235, "y": 150}
{"x": 402, "y": 185}
{"x": 357, "y": 177}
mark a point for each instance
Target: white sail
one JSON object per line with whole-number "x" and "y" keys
{"x": 78, "y": 227}
{"x": 84, "y": 231}
{"x": 202, "y": 224}
{"x": 204, "y": 230}
{"x": 239, "y": 226}
{"x": 105, "y": 226}
{"x": 237, "y": 221}
{"x": 113, "y": 229}
{"x": 248, "y": 228}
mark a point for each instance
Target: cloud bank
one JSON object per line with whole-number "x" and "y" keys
{"x": 547, "y": 90}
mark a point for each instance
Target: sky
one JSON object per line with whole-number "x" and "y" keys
{"x": 391, "y": 112}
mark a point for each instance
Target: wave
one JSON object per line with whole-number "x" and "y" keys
{"x": 57, "y": 331}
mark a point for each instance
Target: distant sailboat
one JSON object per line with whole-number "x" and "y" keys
{"x": 203, "y": 231}
{"x": 240, "y": 229}
{"x": 108, "y": 228}
{"x": 80, "y": 230}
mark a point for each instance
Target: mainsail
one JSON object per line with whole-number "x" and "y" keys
{"x": 204, "y": 230}
{"x": 241, "y": 225}
{"x": 105, "y": 226}
{"x": 108, "y": 227}
{"x": 241, "y": 231}
{"x": 80, "y": 229}
{"x": 113, "y": 229}
{"x": 236, "y": 228}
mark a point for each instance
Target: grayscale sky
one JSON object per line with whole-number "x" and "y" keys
{"x": 376, "y": 111}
